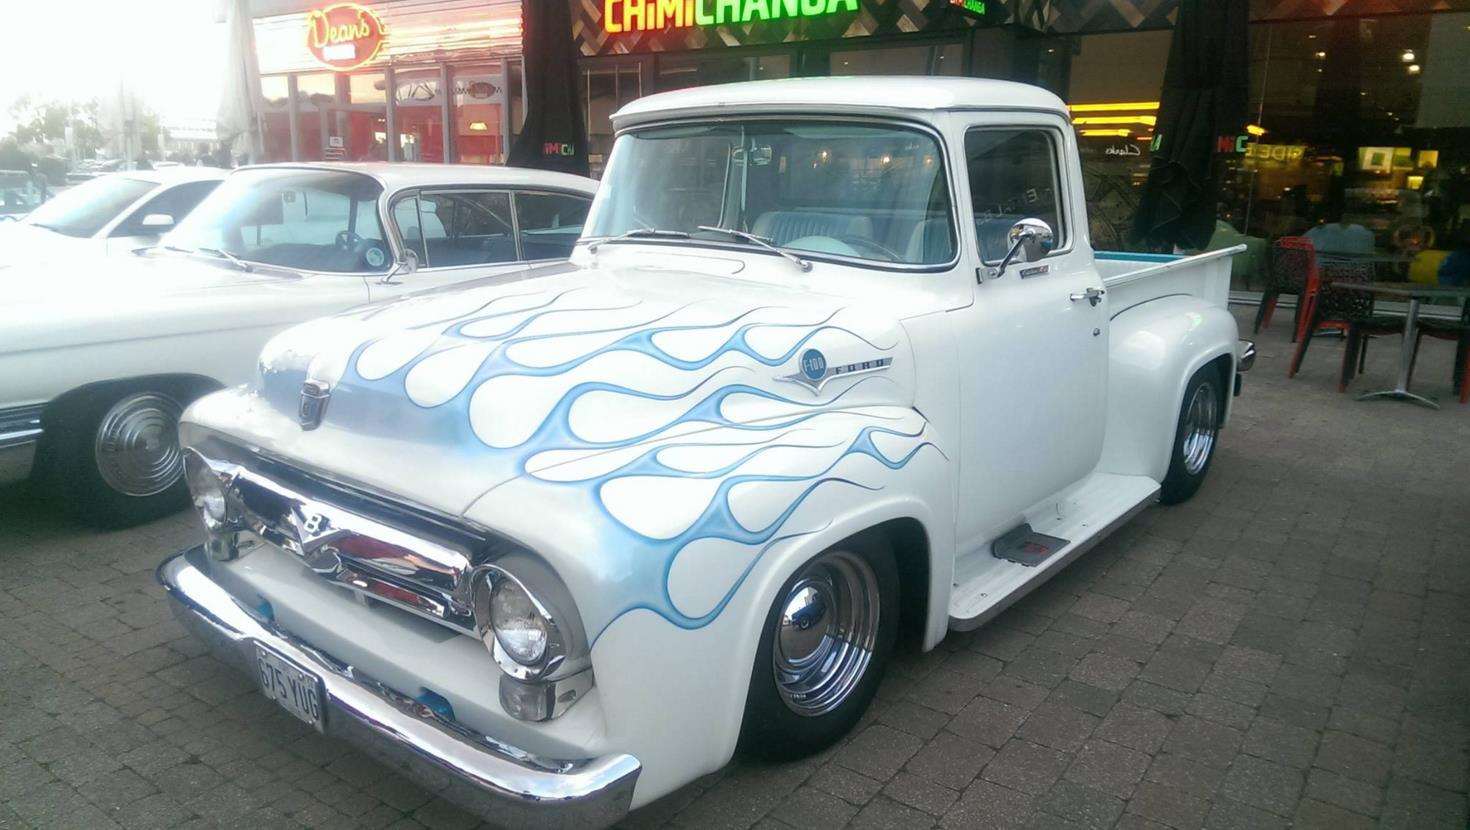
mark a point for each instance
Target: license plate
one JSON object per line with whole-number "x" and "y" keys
{"x": 297, "y": 690}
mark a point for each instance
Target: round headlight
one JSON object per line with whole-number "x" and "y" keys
{"x": 519, "y": 626}
{"x": 207, "y": 489}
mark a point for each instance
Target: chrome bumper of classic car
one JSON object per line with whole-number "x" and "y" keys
{"x": 1245, "y": 358}
{"x": 501, "y": 783}
{"x": 20, "y": 434}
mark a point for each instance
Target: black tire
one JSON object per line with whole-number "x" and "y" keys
{"x": 772, "y": 728}
{"x": 77, "y": 477}
{"x": 1193, "y": 452}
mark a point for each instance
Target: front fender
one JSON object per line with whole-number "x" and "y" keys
{"x": 1155, "y": 348}
{"x": 675, "y": 614}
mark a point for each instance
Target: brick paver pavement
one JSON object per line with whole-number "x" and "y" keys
{"x": 1287, "y": 649}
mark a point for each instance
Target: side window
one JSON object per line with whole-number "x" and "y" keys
{"x": 1013, "y": 176}
{"x": 550, "y": 224}
{"x": 411, "y": 227}
{"x": 466, "y": 228}
{"x": 175, "y": 202}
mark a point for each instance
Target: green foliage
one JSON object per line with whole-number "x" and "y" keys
{"x": 38, "y": 120}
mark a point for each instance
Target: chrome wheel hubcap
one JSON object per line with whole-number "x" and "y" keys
{"x": 1201, "y": 425}
{"x": 825, "y": 634}
{"x": 137, "y": 447}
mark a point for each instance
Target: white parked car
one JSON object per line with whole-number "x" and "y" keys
{"x": 115, "y": 213}
{"x": 834, "y": 356}
{"x": 99, "y": 356}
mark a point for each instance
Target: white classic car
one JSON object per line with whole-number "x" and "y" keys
{"x": 100, "y": 355}
{"x": 833, "y": 357}
{"x": 115, "y": 213}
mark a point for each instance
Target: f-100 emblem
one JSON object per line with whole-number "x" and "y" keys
{"x": 314, "y": 397}
{"x": 813, "y": 370}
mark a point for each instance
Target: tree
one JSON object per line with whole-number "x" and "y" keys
{"x": 40, "y": 120}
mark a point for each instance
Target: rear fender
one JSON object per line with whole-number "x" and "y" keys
{"x": 1154, "y": 349}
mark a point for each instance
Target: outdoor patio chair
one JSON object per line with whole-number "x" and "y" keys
{"x": 1350, "y": 312}
{"x": 1459, "y": 332}
{"x": 1293, "y": 262}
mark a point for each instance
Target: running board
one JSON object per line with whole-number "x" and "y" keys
{"x": 987, "y": 581}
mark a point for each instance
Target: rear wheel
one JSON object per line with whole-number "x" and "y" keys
{"x": 1195, "y": 437}
{"x": 118, "y": 457}
{"x": 822, "y": 652}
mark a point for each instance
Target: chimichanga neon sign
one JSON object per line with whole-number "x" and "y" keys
{"x": 655, "y": 15}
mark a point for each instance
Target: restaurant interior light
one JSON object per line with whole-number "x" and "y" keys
{"x": 1408, "y": 56}
{"x": 1147, "y": 120}
{"x": 1133, "y": 106}
{"x": 1414, "y": 69}
{"x": 1255, "y": 129}
{"x": 1114, "y": 133}
{"x": 478, "y": 126}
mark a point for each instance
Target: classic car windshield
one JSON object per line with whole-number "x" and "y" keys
{"x": 83, "y": 210}
{"x": 866, "y": 191}
{"x": 310, "y": 220}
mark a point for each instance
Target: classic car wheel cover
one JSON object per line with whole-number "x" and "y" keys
{"x": 137, "y": 446}
{"x": 1201, "y": 425}
{"x": 824, "y": 635}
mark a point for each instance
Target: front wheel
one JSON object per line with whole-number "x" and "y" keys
{"x": 822, "y": 651}
{"x": 1195, "y": 438}
{"x": 119, "y": 458}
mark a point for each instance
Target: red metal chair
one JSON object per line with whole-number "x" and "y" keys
{"x": 1293, "y": 264}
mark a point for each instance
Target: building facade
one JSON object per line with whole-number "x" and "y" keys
{"x": 1360, "y": 106}
{"x": 389, "y": 80}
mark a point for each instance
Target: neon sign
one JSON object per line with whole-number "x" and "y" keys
{"x": 656, "y": 15}
{"x": 344, "y": 35}
{"x": 974, "y": 7}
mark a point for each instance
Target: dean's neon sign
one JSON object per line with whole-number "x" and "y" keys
{"x": 344, "y": 35}
{"x": 655, "y": 15}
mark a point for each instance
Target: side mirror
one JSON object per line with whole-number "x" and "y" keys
{"x": 404, "y": 267}
{"x": 1030, "y": 239}
{"x": 158, "y": 221}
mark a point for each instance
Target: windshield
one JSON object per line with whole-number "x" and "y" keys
{"x": 309, "y": 220}
{"x": 865, "y": 191}
{"x": 83, "y": 210}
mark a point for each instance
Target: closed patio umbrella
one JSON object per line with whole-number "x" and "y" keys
{"x": 1203, "y": 102}
{"x": 552, "y": 138}
{"x": 238, "y": 123}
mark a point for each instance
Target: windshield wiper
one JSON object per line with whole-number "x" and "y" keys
{"x": 760, "y": 242}
{"x": 653, "y": 233}
{"x": 223, "y": 254}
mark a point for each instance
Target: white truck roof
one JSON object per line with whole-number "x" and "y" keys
{"x": 853, "y": 94}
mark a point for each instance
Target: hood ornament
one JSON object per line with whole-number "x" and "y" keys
{"x": 814, "y": 371}
{"x": 314, "y": 397}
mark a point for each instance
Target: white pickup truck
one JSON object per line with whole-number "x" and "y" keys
{"x": 832, "y": 358}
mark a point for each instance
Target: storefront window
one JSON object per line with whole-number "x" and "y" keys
{"x": 702, "y": 70}
{"x": 275, "y": 117}
{"x": 606, "y": 88}
{"x": 940, "y": 59}
{"x": 419, "y": 101}
{"x": 480, "y": 114}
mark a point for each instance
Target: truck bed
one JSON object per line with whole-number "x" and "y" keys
{"x": 1132, "y": 278}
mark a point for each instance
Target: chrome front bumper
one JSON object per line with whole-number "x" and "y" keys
{"x": 20, "y": 434}
{"x": 502, "y": 784}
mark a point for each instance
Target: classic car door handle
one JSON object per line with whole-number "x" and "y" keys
{"x": 1092, "y": 295}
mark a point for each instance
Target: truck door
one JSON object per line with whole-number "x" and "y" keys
{"x": 1034, "y": 344}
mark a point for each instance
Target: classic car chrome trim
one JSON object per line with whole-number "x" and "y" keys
{"x": 20, "y": 434}
{"x": 426, "y": 574}
{"x": 1245, "y": 356}
{"x": 497, "y": 781}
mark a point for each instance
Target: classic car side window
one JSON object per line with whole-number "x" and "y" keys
{"x": 468, "y": 228}
{"x": 1013, "y": 176}
{"x": 175, "y": 202}
{"x": 550, "y": 224}
{"x": 407, "y": 217}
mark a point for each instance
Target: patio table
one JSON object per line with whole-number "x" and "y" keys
{"x": 1414, "y": 294}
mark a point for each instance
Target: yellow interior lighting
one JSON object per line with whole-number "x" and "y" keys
{"x": 1118, "y": 107}
{"x": 1117, "y": 133}
{"x": 1255, "y": 129}
{"x": 1146, "y": 120}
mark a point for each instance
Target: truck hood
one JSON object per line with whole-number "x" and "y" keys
{"x": 440, "y": 398}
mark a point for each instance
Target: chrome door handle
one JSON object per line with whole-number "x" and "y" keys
{"x": 1092, "y": 295}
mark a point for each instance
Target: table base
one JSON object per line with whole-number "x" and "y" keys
{"x": 1400, "y": 395}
